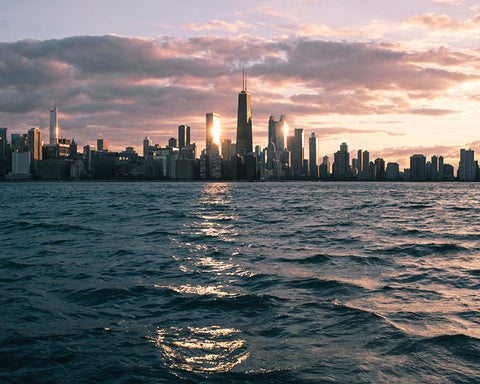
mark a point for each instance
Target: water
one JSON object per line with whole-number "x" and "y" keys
{"x": 239, "y": 282}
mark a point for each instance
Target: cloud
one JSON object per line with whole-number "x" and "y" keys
{"x": 336, "y": 131}
{"x": 125, "y": 88}
{"x": 435, "y": 22}
{"x": 338, "y": 66}
{"x": 432, "y": 111}
{"x": 448, "y": 2}
{"x": 216, "y": 25}
{"x": 443, "y": 56}
{"x": 318, "y": 30}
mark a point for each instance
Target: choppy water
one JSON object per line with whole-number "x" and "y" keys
{"x": 239, "y": 282}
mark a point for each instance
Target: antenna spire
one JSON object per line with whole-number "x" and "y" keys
{"x": 243, "y": 78}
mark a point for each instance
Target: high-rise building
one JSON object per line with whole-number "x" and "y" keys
{"x": 172, "y": 142}
{"x": 296, "y": 147}
{"x": 467, "y": 168}
{"x": 54, "y": 125}
{"x": 359, "y": 161}
{"x": 227, "y": 152}
{"x": 379, "y": 169}
{"x": 73, "y": 150}
{"x": 212, "y": 132}
{"x": 183, "y": 136}
{"x": 324, "y": 169}
{"x": 3, "y": 152}
{"x": 365, "y": 161}
{"x": 146, "y": 144}
{"x": 244, "y": 122}
{"x": 441, "y": 170}
{"x": 102, "y": 145}
{"x": 341, "y": 164}
{"x": 19, "y": 141}
{"x": 35, "y": 145}
{"x": 393, "y": 171}
{"x": 418, "y": 169}
{"x": 312, "y": 158}
{"x": 89, "y": 154}
{"x": 277, "y": 132}
{"x": 434, "y": 168}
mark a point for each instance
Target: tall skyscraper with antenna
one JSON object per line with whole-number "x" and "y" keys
{"x": 54, "y": 125}
{"x": 244, "y": 121}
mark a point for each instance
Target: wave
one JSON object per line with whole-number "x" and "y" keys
{"x": 248, "y": 304}
{"x": 327, "y": 288}
{"x": 314, "y": 259}
{"x": 423, "y": 249}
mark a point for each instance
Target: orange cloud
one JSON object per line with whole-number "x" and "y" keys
{"x": 443, "y": 22}
{"x": 216, "y": 25}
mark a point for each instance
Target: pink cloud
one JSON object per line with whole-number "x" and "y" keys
{"x": 216, "y": 25}
{"x": 443, "y": 22}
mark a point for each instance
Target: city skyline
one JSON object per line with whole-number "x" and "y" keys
{"x": 393, "y": 82}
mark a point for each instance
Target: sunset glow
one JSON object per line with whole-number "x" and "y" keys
{"x": 285, "y": 133}
{"x": 216, "y": 131}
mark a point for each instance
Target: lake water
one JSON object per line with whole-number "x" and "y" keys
{"x": 239, "y": 282}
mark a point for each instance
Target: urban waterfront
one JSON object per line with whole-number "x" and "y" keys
{"x": 240, "y": 282}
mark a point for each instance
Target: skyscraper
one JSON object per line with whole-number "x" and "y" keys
{"x": 418, "y": 168}
{"x": 19, "y": 141}
{"x": 227, "y": 152}
{"x": 296, "y": 147}
{"x": 3, "y": 152}
{"x": 146, "y": 144}
{"x": 393, "y": 171}
{"x": 359, "y": 161}
{"x": 441, "y": 170}
{"x": 277, "y": 132}
{"x": 183, "y": 136}
{"x": 172, "y": 142}
{"x": 324, "y": 169}
{"x": 212, "y": 134}
{"x": 244, "y": 122}
{"x": 72, "y": 151}
{"x": 341, "y": 164}
{"x": 312, "y": 150}
{"x": 35, "y": 144}
{"x": 102, "y": 145}
{"x": 434, "y": 168}
{"x": 365, "y": 165}
{"x": 467, "y": 168}
{"x": 379, "y": 169}
{"x": 54, "y": 125}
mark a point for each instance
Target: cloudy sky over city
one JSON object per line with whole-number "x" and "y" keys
{"x": 396, "y": 78}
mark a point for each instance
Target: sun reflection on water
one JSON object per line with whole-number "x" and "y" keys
{"x": 207, "y": 349}
{"x": 200, "y": 290}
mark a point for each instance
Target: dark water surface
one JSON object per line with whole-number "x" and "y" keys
{"x": 239, "y": 283}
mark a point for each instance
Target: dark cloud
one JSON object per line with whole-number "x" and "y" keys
{"x": 340, "y": 66}
{"x": 432, "y": 111}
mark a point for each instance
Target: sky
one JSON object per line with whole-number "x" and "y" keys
{"x": 394, "y": 78}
